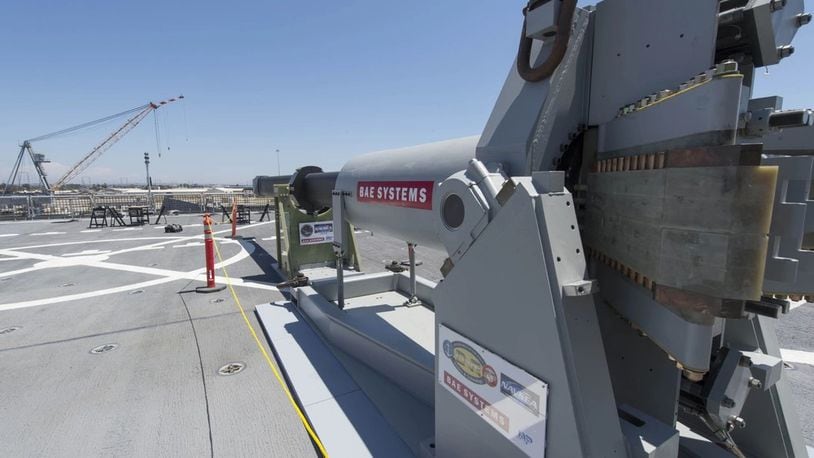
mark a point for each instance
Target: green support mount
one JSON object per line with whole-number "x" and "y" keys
{"x": 292, "y": 255}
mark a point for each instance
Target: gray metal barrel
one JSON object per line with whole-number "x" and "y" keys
{"x": 395, "y": 192}
{"x": 264, "y": 185}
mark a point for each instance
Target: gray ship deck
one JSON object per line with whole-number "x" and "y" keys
{"x": 66, "y": 289}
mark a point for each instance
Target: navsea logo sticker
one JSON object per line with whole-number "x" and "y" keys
{"x": 469, "y": 363}
{"x": 307, "y": 230}
{"x": 519, "y": 393}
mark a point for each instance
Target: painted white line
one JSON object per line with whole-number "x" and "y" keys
{"x": 87, "y": 253}
{"x": 147, "y": 248}
{"x": 8, "y": 235}
{"x": 46, "y": 233}
{"x": 132, "y": 286}
{"x": 189, "y": 244}
{"x": 193, "y": 225}
{"x": 37, "y": 221}
{"x": 125, "y": 229}
{"x": 273, "y": 237}
{"x": 22, "y": 255}
{"x": 797, "y": 356}
{"x": 99, "y": 261}
{"x": 89, "y": 231}
{"x": 19, "y": 271}
{"x": 97, "y": 293}
{"x": 167, "y": 239}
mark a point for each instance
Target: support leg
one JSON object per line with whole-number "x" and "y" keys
{"x": 413, "y": 300}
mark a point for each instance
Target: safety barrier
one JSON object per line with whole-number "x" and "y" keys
{"x": 22, "y": 207}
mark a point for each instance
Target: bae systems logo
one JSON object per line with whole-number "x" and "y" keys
{"x": 516, "y": 391}
{"x": 410, "y": 194}
{"x": 469, "y": 363}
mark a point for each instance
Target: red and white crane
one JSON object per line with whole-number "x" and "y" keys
{"x": 138, "y": 114}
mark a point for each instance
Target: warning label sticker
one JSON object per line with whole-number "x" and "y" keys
{"x": 411, "y": 194}
{"x": 508, "y": 398}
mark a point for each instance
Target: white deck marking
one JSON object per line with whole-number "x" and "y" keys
{"x": 147, "y": 248}
{"x": 797, "y": 356}
{"x": 128, "y": 239}
{"x": 73, "y": 297}
{"x": 9, "y": 235}
{"x": 125, "y": 229}
{"x": 87, "y": 253}
{"x": 46, "y": 233}
{"x": 38, "y": 221}
{"x": 273, "y": 237}
{"x": 89, "y": 231}
{"x": 19, "y": 271}
{"x": 98, "y": 258}
{"x": 189, "y": 244}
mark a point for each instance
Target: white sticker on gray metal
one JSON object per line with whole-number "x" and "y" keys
{"x": 508, "y": 398}
{"x": 316, "y": 233}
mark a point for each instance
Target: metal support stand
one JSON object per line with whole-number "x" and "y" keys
{"x": 413, "y": 300}
{"x": 339, "y": 246}
{"x": 340, "y": 281}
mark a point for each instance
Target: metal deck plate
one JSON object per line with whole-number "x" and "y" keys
{"x": 346, "y": 421}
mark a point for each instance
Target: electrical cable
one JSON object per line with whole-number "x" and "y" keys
{"x": 266, "y": 356}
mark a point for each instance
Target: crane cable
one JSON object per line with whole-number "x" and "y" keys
{"x": 157, "y": 134}
{"x": 86, "y": 124}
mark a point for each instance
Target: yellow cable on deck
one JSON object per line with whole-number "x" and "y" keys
{"x": 277, "y": 375}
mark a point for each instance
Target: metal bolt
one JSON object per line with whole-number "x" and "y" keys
{"x": 728, "y": 402}
{"x": 777, "y": 5}
{"x": 754, "y": 383}
{"x": 785, "y": 51}
{"x": 803, "y": 19}
{"x": 737, "y": 421}
{"x": 726, "y": 67}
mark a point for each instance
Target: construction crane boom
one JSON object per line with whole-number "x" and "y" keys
{"x": 96, "y": 152}
{"x": 38, "y": 159}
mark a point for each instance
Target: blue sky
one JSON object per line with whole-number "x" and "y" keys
{"x": 321, "y": 81}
